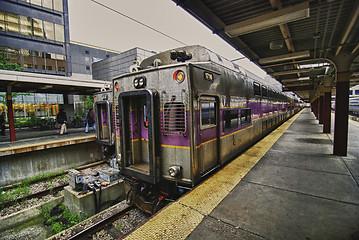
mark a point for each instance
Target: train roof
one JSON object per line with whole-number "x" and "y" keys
{"x": 193, "y": 54}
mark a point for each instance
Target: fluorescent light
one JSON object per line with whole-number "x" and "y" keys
{"x": 290, "y": 72}
{"x": 285, "y": 57}
{"x": 285, "y": 15}
{"x": 295, "y": 79}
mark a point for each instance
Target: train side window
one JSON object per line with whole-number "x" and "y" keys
{"x": 245, "y": 116}
{"x": 264, "y": 91}
{"x": 230, "y": 119}
{"x": 208, "y": 114}
{"x": 174, "y": 118}
{"x": 257, "y": 89}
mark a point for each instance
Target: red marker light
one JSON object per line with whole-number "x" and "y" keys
{"x": 116, "y": 86}
{"x": 160, "y": 198}
{"x": 178, "y": 76}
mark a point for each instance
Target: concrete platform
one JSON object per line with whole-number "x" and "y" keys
{"x": 287, "y": 186}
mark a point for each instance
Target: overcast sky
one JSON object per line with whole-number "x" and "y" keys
{"x": 96, "y": 25}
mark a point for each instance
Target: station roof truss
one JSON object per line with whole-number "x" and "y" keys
{"x": 294, "y": 41}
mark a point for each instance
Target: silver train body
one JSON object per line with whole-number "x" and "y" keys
{"x": 185, "y": 112}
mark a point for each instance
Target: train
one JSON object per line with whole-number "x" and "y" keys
{"x": 181, "y": 114}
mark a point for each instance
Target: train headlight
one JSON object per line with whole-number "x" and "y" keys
{"x": 179, "y": 76}
{"x": 174, "y": 171}
{"x": 139, "y": 82}
{"x": 135, "y": 83}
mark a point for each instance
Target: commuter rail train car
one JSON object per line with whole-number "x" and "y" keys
{"x": 183, "y": 113}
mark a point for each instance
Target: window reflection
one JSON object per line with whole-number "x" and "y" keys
{"x": 31, "y": 27}
{"x": 35, "y": 60}
{"x": 49, "y": 32}
{"x": 50, "y": 4}
{"x": 2, "y": 21}
{"x": 59, "y": 33}
{"x": 12, "y": 22}
{"x": 25, "y": 25}
{"x": 47, "y": 4}
{"x": 58, "y": 5}
{"x": 37, "y": 28}
{"x": 36, "y": 2}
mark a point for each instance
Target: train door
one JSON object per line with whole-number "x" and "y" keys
{"x": 139, "y": 116}
{"x": 103, "y": 111}
{"x": 208, "y": 133}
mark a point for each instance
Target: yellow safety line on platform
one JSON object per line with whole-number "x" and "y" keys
{"x": 180, "y": 218}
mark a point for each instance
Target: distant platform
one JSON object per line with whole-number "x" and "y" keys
{"x": 32, "y": 140}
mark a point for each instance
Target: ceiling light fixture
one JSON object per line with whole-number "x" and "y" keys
{"x": 282, "y": 16}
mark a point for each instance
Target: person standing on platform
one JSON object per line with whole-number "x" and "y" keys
{"x": 2, "y": 124}
{"x": 90, "y": 121}
{"x": 62, "y": 120}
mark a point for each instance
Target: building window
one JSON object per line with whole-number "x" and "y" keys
{"x": 230, "y": 119}
{"x": 59, "y": 33}
{"x": 47, "y": 4}
{"x": 174, "y": 118}
{"x": 2, "y": 21}
{"x": 12, "y": 22}
{"x": 107, "y": 56}
{"x": 35, "y": 60}
{"x": 37, "y": 28}
{"x": 356, "y": 92}
{"x": 58, "y": 5}
{"x": 87, "y": 67}
{"x": 87, "y": 52}
{"x": 49, "y": 31}
{"x": 31, "y": 27}
{"x": 25, "y": 25}
{"x": 245, "y": 116}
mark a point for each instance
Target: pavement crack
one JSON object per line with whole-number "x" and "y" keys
{"x": 302, "y": 193}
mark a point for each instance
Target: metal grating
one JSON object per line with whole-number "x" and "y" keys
{"x": 174, "y": 118}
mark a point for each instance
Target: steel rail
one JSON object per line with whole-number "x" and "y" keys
{"x": 84, "y": 234}
{"x": 34, "y": 195}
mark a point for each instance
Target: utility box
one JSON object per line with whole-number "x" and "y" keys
{"x": 75, "y": 179}
{"x": 83, "y": 203}
{"x": 109, "y": 174}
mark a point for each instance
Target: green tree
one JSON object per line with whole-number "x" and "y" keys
{"x": 5, "y": 63}
{"x": 88, "y": 102}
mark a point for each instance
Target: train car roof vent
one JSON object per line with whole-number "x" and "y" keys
{"x": 135, "y": 67}
{"x": 157, "y": 62}
{"x": 180, "y": 55}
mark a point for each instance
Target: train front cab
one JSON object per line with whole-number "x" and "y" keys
{"x": 139, "y": 141}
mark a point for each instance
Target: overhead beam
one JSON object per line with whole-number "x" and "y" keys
{"x": 295, "y": 80}
{"x": 277, "y": 4}
{"x": 295, "y": 71}
{"x": 285, "y": 57}
{"x": 297, "y": 88}
{"x": 353, "y": 18}
{"x": 282, "y": 16}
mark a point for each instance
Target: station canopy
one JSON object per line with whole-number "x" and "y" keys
{"x": 296, "y": 42}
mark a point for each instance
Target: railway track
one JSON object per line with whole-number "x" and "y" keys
{"x": 100, "y": 225}
{"x": 39, "y": 194}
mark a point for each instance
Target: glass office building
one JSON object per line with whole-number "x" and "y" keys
{"x": 35, "y": 34}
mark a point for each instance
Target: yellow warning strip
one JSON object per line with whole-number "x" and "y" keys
{"x": 180, "y": 218}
